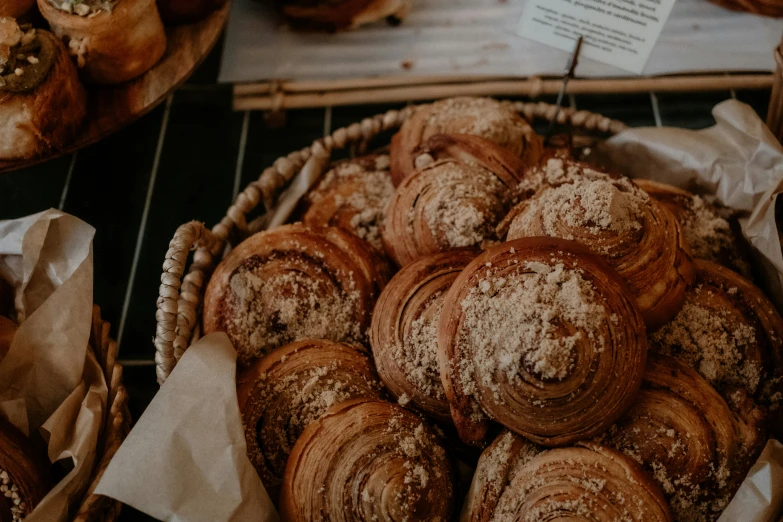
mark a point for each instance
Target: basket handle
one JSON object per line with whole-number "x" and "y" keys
{"x": 177, "y": 308}
{"x": 179, "y": 298}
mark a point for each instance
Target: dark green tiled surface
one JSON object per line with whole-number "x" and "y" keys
{"x": 692, "y": 110}
{"x": 195, "y": 179}
{"x": 34, "y": 189}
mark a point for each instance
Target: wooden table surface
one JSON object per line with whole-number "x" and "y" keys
{"x": 187, "y": 160}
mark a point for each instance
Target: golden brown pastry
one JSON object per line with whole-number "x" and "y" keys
{"x": 24, "y": 476}
{"x": 184, "y": 11}
{"x": 518, "y": 482}
{"x": 686, "y": 436}
{"x": 15, "y": 8}
{"x": 553, "y": 170}
{"x": 294, "y": 282}
{"x": 339, "y": 15}
{"x": 463, "y": 188}
{"x": 42, "y": 103}
{"x": 113, "y": 41}
{"x": 616, "y": 219}
{"x": 709, "y": 235}
{"x": 7, "y": 332}
{"x": 404, "y": 331}
{"x": 731, "y": 334}
{"x": 493, "y": 120}
{"x": 542, "y": 336}
{"x": 772, "y": 8}
{"x": 368, "y": 461}
{"x": 280, "y": 394}
{"x": 353, "y": 195}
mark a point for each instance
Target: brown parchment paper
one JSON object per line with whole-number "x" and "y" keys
{"x": 185, "y": 458}
{"x": 51, "y": 385}
{"x": 740, "y": 162}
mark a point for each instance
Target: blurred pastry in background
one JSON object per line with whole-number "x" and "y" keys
{"x": 772, "y": 8}
{"x": 183, "y": 11}
{"x": 113, "y": 41}
{"x": 42, "y": 103}
{"x": 339, "y": 15}
{"x": 15, "y": 8}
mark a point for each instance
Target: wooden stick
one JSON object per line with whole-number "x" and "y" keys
{"x": 532, "y": 87}
{"x": 775, "y": 112}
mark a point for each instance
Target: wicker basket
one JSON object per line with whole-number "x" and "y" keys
{"x": 97, "y": 508}
{"x": 763, "y": 7}
{"x": 180, "y": 300}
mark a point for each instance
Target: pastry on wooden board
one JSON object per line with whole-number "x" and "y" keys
{"x": 42, "y": 102}
{"x": 112, "y": 41}
{"x": 340, "y": 15}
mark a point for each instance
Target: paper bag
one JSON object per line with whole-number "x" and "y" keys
{"x": 51, "y": 385}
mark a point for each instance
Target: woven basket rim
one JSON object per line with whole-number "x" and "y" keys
{"x": 180, "y": 299}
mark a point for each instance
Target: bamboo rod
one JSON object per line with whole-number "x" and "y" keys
{"x": 531, "y": 87}
{"x": 247, "y": 89}
{"x": 775, "y": 113}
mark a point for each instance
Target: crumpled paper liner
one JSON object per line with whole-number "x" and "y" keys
{"x": 51, "y": 385}
{"x": 740, "y": 162}
{"x": 185, "y": 459}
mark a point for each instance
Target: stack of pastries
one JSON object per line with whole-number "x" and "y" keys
{"x": 43, "y": 102}
{"x": 474, "y": 288}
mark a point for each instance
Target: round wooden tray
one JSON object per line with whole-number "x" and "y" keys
{"x": 110, "y": 108}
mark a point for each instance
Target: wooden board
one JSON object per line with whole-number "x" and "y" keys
{"x": 111, "y": 107}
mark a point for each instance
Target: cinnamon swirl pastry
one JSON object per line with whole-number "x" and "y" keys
{"x": 280, "y": 394}
{"x": 518, "y": 482}
{"x": 542, "y": 336}
{"x": 686, "y": 436}
{"x": 772, "y": 8}
{"x": 42, "y": 103}
{"x": 404, "y": 331}
{"x": 613, "y": 217}
{"x": 709, "y": 235}
{"x": 113, "y": 41}
{"x": 464, "y": 187}
{"x": 490, "y": 119}
{"x": 353, "y": 195}
{"x": 731, "y": 334}
{"x": 294, "y": 282}
{"x": 24, "y": 476}
{"x": 340, "y": 15}
{"x": 368, "y": 460}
